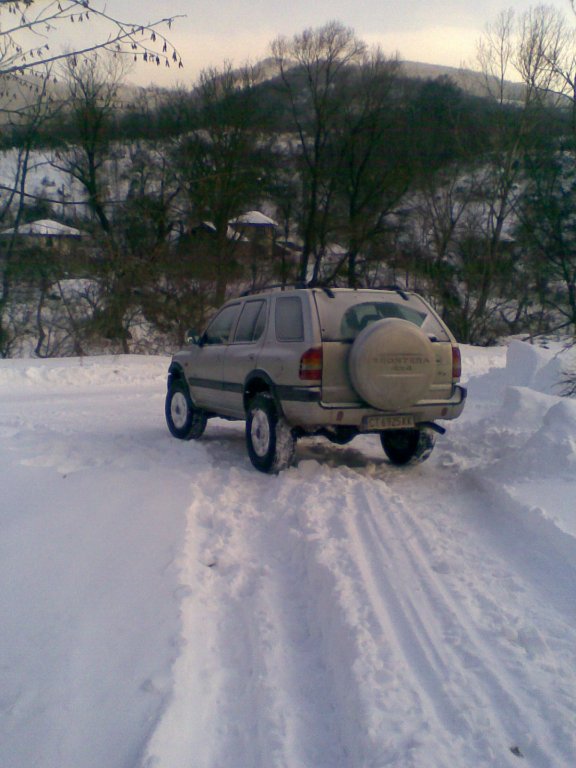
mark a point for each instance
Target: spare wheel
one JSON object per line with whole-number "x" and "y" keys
{"x": 392, "y": 364}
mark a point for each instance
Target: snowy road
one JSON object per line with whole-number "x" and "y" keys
{"x": 163, "y": 605}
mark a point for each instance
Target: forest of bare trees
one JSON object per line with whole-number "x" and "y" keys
{"x": 324, "y": 165}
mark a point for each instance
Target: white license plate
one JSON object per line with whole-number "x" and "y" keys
{"x": 387, "y": 422}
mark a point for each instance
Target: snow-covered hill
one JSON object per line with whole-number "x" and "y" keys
{"x": 164, "y": 605}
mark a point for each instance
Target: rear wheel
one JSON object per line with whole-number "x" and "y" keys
{"x": 270, "y": 441}
{"x": 185, "y": 421}
{"x": 405, "y": 445}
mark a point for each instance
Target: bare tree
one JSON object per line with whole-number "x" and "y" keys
{"x": 218, "y": 164}
{"x": 27, "y": 56}
{"x": 555, "y": 39}
{"x": 15, "y": 198}
{"x": 543, "y": 37}
{"x": 310, "y": 65}
{"x": 91, "y": 91}
{"x": 524, "y": 180}
{"x": 548, "y": 234}
{"x": 495, "y": 55}
{"x": 371, "y": 169}
{"x": 508, "y": 46}
{"x": 29, "y": 53}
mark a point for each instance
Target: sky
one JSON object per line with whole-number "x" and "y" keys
{"x": 432, "y": 31}
{"x": 208, "y": 33}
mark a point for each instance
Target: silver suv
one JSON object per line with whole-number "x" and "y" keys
{"x": 312, "y": 361}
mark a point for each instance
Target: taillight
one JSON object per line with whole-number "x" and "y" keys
{"x": 311, "y": 364}
{"x": 456, "y": 363}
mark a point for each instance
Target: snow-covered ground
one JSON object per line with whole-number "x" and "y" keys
{"x": 163, "y": 605}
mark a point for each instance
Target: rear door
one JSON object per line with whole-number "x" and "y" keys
{"x": 241, "y": 355}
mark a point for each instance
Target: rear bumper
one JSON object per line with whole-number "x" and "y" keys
{"x": 311, "y": 414}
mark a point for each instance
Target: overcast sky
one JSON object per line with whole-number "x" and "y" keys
{"x": 433, "y": 31}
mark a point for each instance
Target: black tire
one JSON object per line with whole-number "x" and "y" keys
{"x": 270, "y": 442}
{"x": 407, "y": 445}
{"x": 185, "y": 421}
{"x": 341, "y": 435}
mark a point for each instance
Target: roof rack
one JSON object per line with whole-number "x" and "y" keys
{"x": 325, "y": 288}
{"x": 397, "y": 288}
{"x": 287, "y": 287}
{"x": 273, "y": 287}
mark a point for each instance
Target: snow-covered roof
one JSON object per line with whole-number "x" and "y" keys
{"x": 45, "y": 228}
{"x": 335, "y": 249}
{"x": 254, "y": 219}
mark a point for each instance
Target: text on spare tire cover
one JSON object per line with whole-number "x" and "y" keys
{"x": 402, "y": 362}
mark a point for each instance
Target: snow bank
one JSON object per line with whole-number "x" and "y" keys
{"x": 530, "y": 430}
{"x": 551, "y": 450}
{"x": 528, "y": 387}
{"x": 122, "y": 371}
{"x": 526, "y": 366}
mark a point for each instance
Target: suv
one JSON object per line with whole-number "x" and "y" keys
{"x": 317, "y": 361}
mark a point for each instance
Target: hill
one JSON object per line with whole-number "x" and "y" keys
{"x": 469, "y": 80}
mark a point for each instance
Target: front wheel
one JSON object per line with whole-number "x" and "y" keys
{"x": 185, "y": 421}
{"x": 269, "y": 440}
{"x": 405, "y": 445}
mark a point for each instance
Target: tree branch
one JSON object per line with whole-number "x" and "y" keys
{"x": 123, "y": 39}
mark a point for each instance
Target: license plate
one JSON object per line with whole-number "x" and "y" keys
{"x": 387, "y": 422}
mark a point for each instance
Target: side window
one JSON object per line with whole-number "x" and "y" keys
{"x": 289, "y": 322}
{"x": 251, "y": 322}
{"x": 218, "y": 332}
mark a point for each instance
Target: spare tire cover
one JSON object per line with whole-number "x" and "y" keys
{"x": 392, "y": 364}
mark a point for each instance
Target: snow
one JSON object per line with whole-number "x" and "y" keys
{"x": 255, "y": 219}
{"x": 46, "y": 228}
{"x": 163, "y": 605}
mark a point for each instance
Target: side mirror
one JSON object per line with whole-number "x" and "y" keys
{"x": 192, "y": 337}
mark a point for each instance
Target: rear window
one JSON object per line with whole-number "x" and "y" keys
{"x": 288, "y": 319}
{"x": 347, "y": 314}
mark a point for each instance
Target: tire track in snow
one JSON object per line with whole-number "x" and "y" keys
{"x": 400, "y": 666}
{"x": 354, "y": 617}
{"x": 473, "y": 669}
{"x": 478, "y": 621}
{"x": 265, "y": 627}
{"x": 442, "y": 683}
